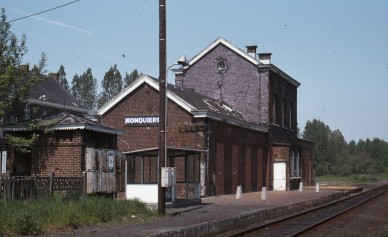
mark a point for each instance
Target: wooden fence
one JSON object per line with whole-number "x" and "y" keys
{"x": 29, "y": 187}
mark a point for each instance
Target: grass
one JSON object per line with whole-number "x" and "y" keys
{"x": 351, "y": 180}
{"x": 40, "y": 216}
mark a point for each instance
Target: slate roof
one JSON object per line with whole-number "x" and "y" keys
{"x": 198, "y": 105}
{"x": 204, "y": 103}
{"x": 67, "y": 121}
{"x": 55, "y": 96}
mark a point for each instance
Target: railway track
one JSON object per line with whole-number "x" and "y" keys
{"x": 296, "y": 224}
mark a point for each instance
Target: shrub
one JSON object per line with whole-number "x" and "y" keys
{"x": 27, "y": 224}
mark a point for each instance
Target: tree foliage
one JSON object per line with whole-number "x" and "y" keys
{"x": 61, "y": 75}
{"x": 318, "y": 132}
{"x": 24, "y": 144}
{"x": 112, "y": 84}
{"x": 16, "y": 80}
{"x": 129, "y": 78}
{"x": 84, "y": 89}
{"x": 334, "y": 156}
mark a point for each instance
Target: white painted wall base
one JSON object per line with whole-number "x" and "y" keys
{"x": 147, "y": 193}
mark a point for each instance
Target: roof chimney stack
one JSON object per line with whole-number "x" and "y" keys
{"x": 265, "y": 58}
{"x": 251, "y": 50}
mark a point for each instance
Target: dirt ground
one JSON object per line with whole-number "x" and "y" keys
{"x": 370, "y": 219}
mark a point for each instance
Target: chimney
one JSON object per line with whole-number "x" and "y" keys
{"x": 265, "y": 58}
{"x": 53, "y": 76}
{"x": 178, "y": 76}
{"x": 251, "y": 50}
{"x": 24, "y": 68}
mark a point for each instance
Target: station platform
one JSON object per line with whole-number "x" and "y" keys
{"x": 217, "y": 215}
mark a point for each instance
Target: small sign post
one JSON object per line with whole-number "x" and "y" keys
{"x": 111, "y": 163}
{"x": 4, "y": 162}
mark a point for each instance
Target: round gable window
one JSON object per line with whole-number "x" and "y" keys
{"x": 221, "y": 66}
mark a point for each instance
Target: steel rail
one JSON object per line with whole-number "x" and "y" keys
{"x": 298, "y": 223}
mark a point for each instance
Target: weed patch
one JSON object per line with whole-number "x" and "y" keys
{"x": 74, "y": 211}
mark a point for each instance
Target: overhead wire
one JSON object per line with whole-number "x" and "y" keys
{"x": 38, "y": 13}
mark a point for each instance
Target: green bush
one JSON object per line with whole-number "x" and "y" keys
{"x": 27, "y": 224}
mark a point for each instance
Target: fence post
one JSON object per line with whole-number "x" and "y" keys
{"x": 31, "y": 187}
{"x": 84, "y": 183}
{"x": 13, "y": 191}
{"x": 51, "y": 188}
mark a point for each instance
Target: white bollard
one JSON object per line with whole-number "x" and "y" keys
{"x": 239, "y": 192}
{"x": 264, "y": 193}
{"x": 300, "y": 186}
{"x": 317, "y": 188}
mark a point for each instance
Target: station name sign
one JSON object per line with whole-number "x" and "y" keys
{"x": 141, "y": 120}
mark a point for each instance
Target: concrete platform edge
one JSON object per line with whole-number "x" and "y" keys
{"x": 225, "y": 225}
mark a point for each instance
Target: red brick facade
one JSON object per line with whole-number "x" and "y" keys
{"x": 237, "y": 150}
{"x": 61, "y": 152}
{"x": 235, "y": 154}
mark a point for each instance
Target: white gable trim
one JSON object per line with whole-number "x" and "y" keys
{"x": 144, "y": 79}
{"x": 223, "y": 41}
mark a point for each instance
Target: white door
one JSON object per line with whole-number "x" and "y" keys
{"x": 279, "y": 176}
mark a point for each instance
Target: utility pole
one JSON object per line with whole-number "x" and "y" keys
{"x": 162, "y": 103}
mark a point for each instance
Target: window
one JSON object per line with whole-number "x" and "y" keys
{"x": 294, "y": 164}
{"x": 13, "y": 119}
{"x": 27, "y": 112}
{"x": 188, "y": 169}
{"x": 142, "y": 170}
{"x": 274, "y": 109}
{"x": 221, "y": 66}
{"x": 150, "y": 170}
{"x": 284, "y": 113}
{"x": 290, "y": 116}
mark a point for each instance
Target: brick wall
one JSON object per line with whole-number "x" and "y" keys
{"x": 240, "y": 86}
{"x": 144, "y": 102}
{"x": 63, "y": 154}
{"x": 285, "y": 93}
{"x": 236, "y": 158}
{"x": 227, "y": 169}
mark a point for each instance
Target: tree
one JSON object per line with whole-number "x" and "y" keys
{"x": 84, "y": 88}
{"x": 112, "y": 84}
{"x": 16, "y": 80}
{"x": 318, "y": 132}
{"x": 40, "y": 68}
{"x": 128, "y": 79}
{"x": 24, "y": 144}
{"x": 338, "y": 156}
{"x": 61, "y": 75}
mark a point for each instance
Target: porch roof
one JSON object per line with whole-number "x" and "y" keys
{"x": 65, "y": 121}
{"x": 171, "y": 152}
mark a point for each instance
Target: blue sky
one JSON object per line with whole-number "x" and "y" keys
{"x": 337, "y": 50}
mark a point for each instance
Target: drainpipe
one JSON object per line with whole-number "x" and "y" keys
{"x": 207, "y": 175}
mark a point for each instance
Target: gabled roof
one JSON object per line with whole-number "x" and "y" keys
{"x": 196, "y": 104}
{"x": 51, "y": 94}
{"x": 226, "y": 43}
{"x": 67, "y": 121}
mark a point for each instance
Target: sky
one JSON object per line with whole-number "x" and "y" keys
{"x": 337, "y": 50}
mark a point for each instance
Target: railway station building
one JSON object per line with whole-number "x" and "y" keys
{"x": 231, "y": 121}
